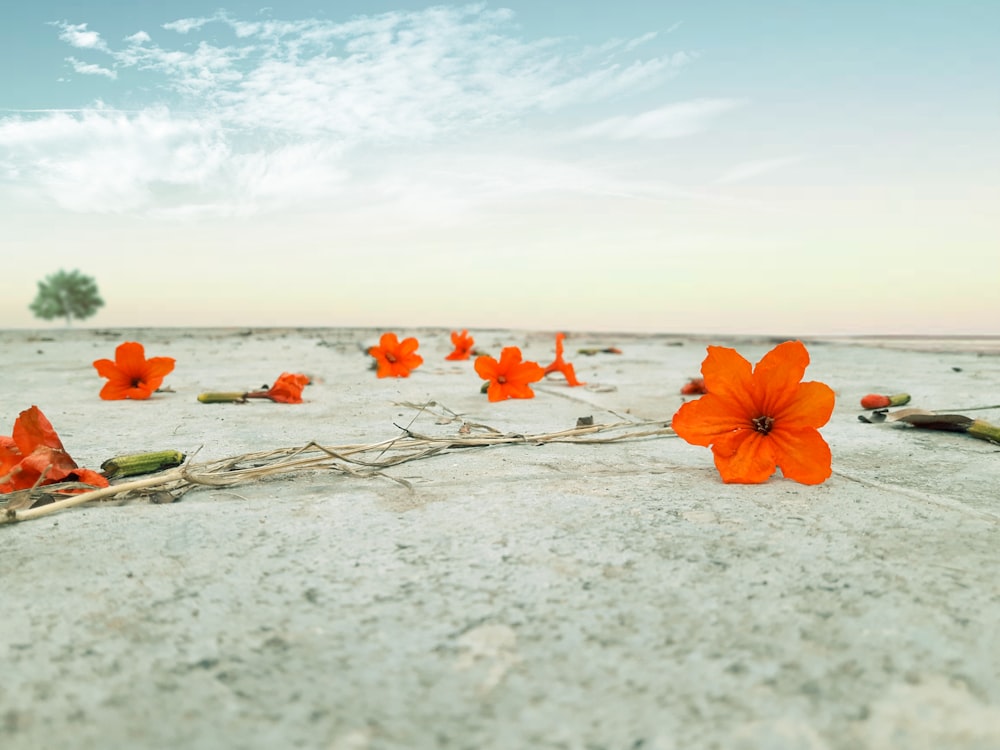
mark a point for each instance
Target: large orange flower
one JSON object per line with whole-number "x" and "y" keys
{"x": 560, "y": 365}
{"x": 396, "y": 358}
{"x": 761, "y": 419}
{"x": 463, "y": 344}
{"x": 33, "y": 454}
{"x": 131, "y": 375}
{"x": 510, "y": 377}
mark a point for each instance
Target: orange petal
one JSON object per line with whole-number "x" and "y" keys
{"x": 803, "y": 455}
{"x": 159, "y": 367}
{"x": 777, "y": 375}
{"x": 519, "y": 390}
{"x": 746, "y": 457}
{"x": 407, "y": 347}
{"x": 486, "y": 367}
{"x": 729, "y": 376}
{"x": 707, "y": 419}
{"x": 811, "y": 407}
{"x": 116, "y": 390}
{"x": 106, "y": 368}
{"x": 497, "y": 392}
{"x": 510, "y": 357}
{"x": 32, "y": 429}
{"x": 525, "y": 372}
{"x": 131, "y": 358}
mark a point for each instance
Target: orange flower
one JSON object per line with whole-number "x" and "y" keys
{"x": 287, "y": 389}
{"x": 463, "y": 343}
{"x": 34, "y": 455}
{"x": 131, "y": 375}
{"x": 510, "y": 377}
{"x": 759, "y": 420}
{"x": 694, "y": 387}
{"x": 559, "y": 365}
{"x": 396, "y": 358}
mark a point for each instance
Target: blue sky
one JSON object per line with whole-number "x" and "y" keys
{"x": 789, "y": 168}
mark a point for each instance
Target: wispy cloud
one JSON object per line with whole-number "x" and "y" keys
{"x": 279, "y": 109}
{"x": 77, "y": 35}
{"x": 749, "y": 169}
{"x": 670, "y": 121}
{"x": 91, "y": 69}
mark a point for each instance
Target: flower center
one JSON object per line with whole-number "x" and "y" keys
{"x": 501, "y": 379}
{"x": 136, "y": 382}
{"x": 763, "y": 424}
{"x": 390, "y": 357}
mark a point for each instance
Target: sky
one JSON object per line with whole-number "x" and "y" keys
{"x": 702, "y": 166}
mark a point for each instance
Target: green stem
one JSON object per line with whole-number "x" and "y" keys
{"x": 222, "y": 397}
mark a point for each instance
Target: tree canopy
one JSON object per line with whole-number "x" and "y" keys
{"x": 66, "y": 295}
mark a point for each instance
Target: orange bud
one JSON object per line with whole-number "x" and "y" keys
{"x": 878, "y": 401}
{"x": 874, "y": 401}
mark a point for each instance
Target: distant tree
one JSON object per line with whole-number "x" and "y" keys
{"x": 66, "y": 295}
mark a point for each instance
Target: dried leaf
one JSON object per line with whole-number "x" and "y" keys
{"x": 930, "y": 421}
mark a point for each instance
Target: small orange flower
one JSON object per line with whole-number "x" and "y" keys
{"x": 463, "y": 343}
{"x": 287, "y": 389}
{"x": 395, "y": 358}
{"x": 34, "y": 455}
{"x": 510, "y": 377}
{"x": 131, "y": 375}
{"x": 694, "y": 387}
{"x": 757, "y": 421}
{"x": 560, "y": 365}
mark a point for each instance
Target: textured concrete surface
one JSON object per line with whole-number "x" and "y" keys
{"x": 555, "y": 596}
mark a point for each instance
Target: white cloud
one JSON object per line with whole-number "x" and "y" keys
{"x": 750, "y": 169}
{"x": 670, "y": 121}
{"x": 78, "y": 36}
{"x": 91, "y": 69}
{"x": 275, "y": 113}
{"x": 108, "y": 161}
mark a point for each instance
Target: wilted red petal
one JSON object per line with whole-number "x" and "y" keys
{"x": 32, "y": 429}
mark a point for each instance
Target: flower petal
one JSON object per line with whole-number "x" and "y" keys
{"x": 406, "y": 347}
{"x": 707, "y": 419}
{"x": 158, "y": 367}
{"x": 131, "y": 358}
{"x": 811, "y": 406}
{"x": 510, "y": 357}
{"x": 524, "y": 373}
{"x": 486, "y": 367}
{"x": 729, "y": 376}
{"x": 802, "y": 454}
{"x": 746, "y": 457}
{"x": 33, "y": 429}
{"x": 107, "y": 369}
{"x": 776, "y": 377}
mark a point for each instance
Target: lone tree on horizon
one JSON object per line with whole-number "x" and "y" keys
{"x": 66, "y": 295}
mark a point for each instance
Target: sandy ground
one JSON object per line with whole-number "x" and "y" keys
{"x": 525, "y": 596}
